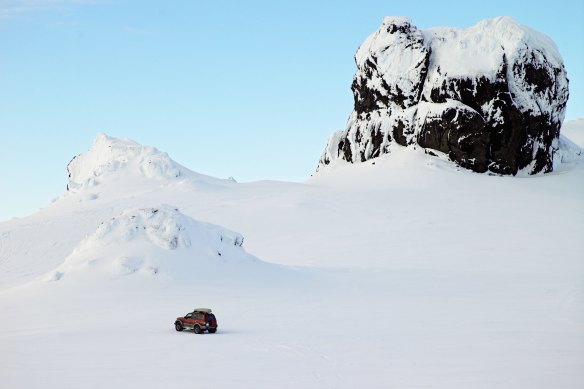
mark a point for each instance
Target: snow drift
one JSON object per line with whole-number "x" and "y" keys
{"x": 152, "y": 241}
{"x": 491, "y": 97}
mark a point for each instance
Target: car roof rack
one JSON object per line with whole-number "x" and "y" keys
{"x": 204, "y": 310}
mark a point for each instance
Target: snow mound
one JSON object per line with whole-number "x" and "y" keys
{"x": 152, "y": 241}
{"x": 163, "y": 226}
{"x": 109, "y": 155}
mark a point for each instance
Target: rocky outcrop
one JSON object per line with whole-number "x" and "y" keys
{"x": 491, "y": 97}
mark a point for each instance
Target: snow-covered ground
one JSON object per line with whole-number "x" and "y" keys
{"x": 402, "y": 272}
{"x": 574, "y": 130}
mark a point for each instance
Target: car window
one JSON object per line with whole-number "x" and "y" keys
{"x": 198, "y": 316}
{"x": 188, "y": 315}
{"x": 210, "y": 317}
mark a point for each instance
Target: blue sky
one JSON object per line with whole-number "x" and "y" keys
{"x": 228, "y": 88}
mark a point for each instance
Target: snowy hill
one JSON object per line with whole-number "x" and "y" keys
{"x": 161, "y": 241}
{"x": 432, "y": 275}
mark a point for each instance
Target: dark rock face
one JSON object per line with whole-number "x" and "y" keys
{"x": 457, "y": 132}
{"x": 491, "y": 98}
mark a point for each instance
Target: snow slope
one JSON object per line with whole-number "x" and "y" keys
{"x": 574, "y": 130}
{"x": 432, "y": 277}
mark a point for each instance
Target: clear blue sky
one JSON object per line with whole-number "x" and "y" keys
{"x": 228, "y": 88}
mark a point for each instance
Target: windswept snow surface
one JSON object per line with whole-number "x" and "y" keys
{"x": 574, "y": 130}
{"x": 403, "y": 273}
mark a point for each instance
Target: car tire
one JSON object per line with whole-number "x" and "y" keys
{"x": 178, "y": 326}
{"x": 212, "y": 330}
{"x": 197, "y": 329}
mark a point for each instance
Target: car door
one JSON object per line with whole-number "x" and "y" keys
{"x": 188, "y": 321}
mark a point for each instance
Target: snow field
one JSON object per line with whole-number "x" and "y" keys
{"x": 406, "y": 273}
{"x": 410, "y": 328}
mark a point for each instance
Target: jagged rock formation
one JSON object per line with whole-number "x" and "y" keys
{"x": 491, "y": 97}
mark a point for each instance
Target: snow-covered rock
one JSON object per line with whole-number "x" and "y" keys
{"x": 109, "y": 155}
{"x": 492, "y": 97}
{"x": 152, "y": 240}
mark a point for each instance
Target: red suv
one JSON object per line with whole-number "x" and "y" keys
{"x": 200, "y": 320}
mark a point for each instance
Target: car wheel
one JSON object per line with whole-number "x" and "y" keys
{"x": 197, "y": 329}
{"x": 212, "y": 330}
{"x": 178, "y": 326}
